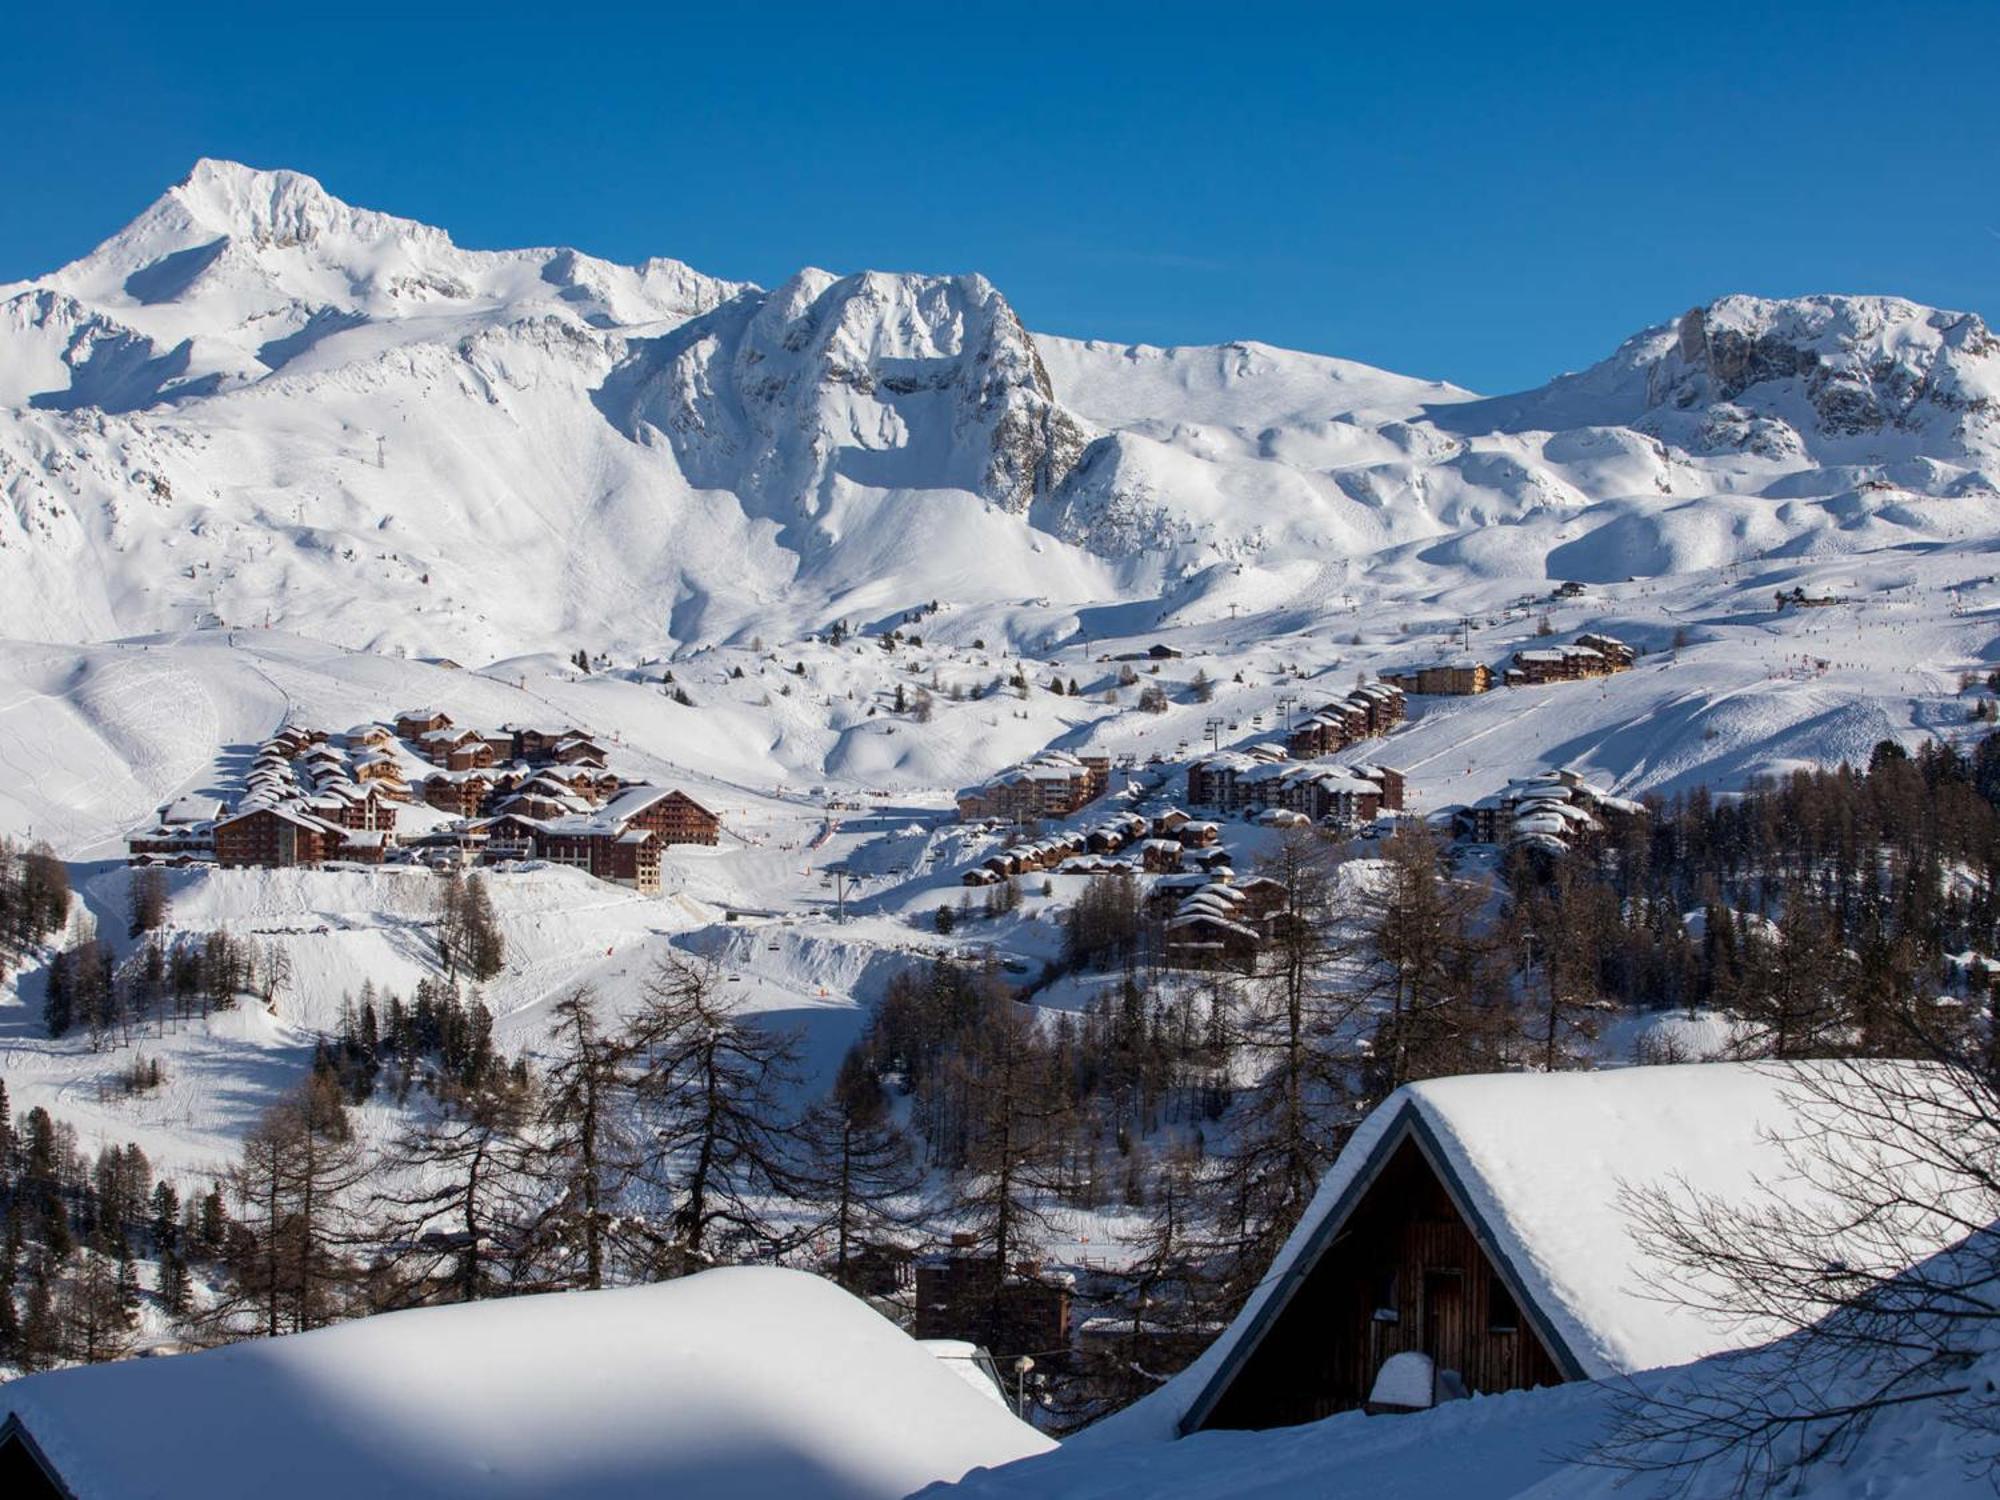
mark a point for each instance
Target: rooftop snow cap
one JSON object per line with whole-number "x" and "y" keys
{"x": 746, "y": 1381}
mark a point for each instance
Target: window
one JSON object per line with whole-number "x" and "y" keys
{"x": 1503, "y": 1314}
{"x": 1387, "y": 1309}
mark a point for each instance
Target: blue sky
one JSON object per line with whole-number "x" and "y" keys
{"x": 1487, "y": 194}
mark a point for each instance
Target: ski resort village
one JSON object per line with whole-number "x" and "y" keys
{"x": 618, "y": 883}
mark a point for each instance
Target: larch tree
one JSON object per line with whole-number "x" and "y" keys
{"x": 584, "y": 1154}
{"x": 859, "y": 1175}
{"x": 709, "y": 1087}
{"x": 451, "y": 1219}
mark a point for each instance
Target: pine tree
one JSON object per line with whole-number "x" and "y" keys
{"x": 485, "y": 946}
{"x": 1294, "y": 1027}
{"x": 1427, "y": 973}
{"x": 59, "y": 995}
{"x": 450, "y": 908}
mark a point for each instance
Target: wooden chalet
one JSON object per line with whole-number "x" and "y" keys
{"x": 1010, "y": 1310}
{"x": 274, "y": 836}
{"x": 1445, "y": 678}
{"x": 1051, "y": 786}
{"x": 669, "y": 814}
{"x": 628, "y": 857}
{"x": 460, "y": 792}
{"x": 415, "y": 723}
{"x": 1478, "y": 1222}
{"x": 1591, "y": 656}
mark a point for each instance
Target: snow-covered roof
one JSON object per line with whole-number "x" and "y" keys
{"x": 746, "y": 1381}
{"x": 1540, "y": 1162}
{"x": 192, "y": 810}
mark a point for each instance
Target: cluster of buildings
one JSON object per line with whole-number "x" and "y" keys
{"x": 305, "y": 800}
{"x": 1265, "y": 777}
{"x": 1546, "y": 811}
{"x": 1128, "y": 843}
{"x": 1372, "y": 709}
{"x": 1050, "y": 786}
{"x": 512, "y": 793}
{"x": 1592, "y": 655}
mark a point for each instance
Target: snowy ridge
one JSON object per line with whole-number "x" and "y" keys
{"x": 255, "y": 391}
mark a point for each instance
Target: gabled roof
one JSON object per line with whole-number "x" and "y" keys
{"x": 1536, "y": 1163}
{"x": 191, "y": 810}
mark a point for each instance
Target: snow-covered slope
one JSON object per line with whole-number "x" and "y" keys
{"x": 259, "y": 402}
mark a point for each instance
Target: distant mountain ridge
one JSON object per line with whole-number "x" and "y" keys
{"x": 257, "y": 401}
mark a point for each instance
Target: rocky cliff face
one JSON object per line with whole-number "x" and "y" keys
{"x": 1862, "y": 363}
{"x": 876, "y": 380}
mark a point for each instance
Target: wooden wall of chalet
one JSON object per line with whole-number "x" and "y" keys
{"x": 1405, "y": 1247}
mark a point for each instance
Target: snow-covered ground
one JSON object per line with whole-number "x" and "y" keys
{"x": 268, "y": 457}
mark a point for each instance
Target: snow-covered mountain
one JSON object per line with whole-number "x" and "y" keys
{"x": 258, "y": 403}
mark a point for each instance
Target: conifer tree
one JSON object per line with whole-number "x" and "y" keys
{"x": 452, "y": 1220}
{"x": 859, "y": 1172}
{"x": 710, "y": 1088}
{"x": 584, "y": 1154}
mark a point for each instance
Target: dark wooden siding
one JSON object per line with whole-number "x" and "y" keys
{"x": 1406, "y": 1272}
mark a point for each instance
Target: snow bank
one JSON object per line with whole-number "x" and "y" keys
{"x": 741, "y": 1382}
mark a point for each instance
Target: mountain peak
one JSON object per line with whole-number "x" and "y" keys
{"x": 279, "y": 208}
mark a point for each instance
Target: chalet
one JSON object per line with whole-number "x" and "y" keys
{"x": 415, "y": 723}
{"x": 460, "y": 792}
{"x": 1051, "y": 786}
{"x": 1447, "y": 678}
{"x": 361, "y": 848}
{"x": 670, "y": 814}
{"x": 1547, "y": 811}
{"x": 540, "y": 805}
{"x": 1209, "y": 940}
{"x": 358, "y": 809}
{"x": 384, "y": 773}
{"x": 628, "y": 857}
{"x": 1617, "y": 655}
{"x": 1591, "y": 656}
{"x": 184, "y": 831}
{"x": 470, "y": 754}
{"x": 186, "y": 811}
{"x": 1007, "y": 1309}
{"x": 370, "y": 737}
{"x": 274, "y": 836}
{"x": 439, "y": 745}
{"x": 1479, "y": 1223}
{"x": 578, "y": 751}
{"x": 1217, "y": 780}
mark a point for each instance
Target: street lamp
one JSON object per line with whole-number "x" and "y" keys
{"x": 1021, "y": 1368}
